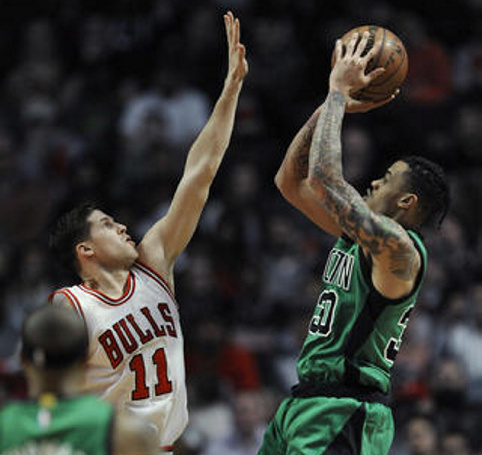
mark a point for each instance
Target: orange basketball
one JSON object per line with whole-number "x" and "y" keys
{"x": 392, "y": 56}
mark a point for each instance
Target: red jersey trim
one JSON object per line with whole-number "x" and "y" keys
{"x": 157, "y": 277}
{"x": 129, "y": 291}
{"x": 76, "y": 302}
{"x": 71, "y": 299}
{"x": 167, "y": 448}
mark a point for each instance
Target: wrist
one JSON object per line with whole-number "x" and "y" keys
{"x": 341, "y": 90}
{"x": 233, "y": 81}
{"x": 232, "y": 87}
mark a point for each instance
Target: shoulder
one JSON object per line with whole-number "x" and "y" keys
{"x": 63, "y": 298}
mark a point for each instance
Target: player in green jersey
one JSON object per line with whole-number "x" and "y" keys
{"x": 57, "y": 420}
{"x": 370, "y": 281}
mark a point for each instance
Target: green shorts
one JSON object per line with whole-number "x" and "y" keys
{"x": 329, "y": 426}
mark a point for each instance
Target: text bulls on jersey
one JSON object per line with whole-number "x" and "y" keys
{"x": 133, "y": 330}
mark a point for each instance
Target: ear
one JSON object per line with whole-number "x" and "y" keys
{"x": 84, "y": 250}
{"x": 408, "y": 201}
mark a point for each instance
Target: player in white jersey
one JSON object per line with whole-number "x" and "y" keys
{"x": 127, "y": 293}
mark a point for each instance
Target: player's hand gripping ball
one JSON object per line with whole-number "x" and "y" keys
{"x": 392, "y": 56}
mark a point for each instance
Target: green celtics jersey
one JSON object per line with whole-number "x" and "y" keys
{"x": 355, "y": 332}
{"x": 71, "y": 426}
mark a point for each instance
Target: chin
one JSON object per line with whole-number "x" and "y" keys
{"x": 135, "y": 256}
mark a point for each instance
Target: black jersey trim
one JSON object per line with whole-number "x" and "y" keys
{"x": 364, "y": 324}
{"x": 310, "y": 389}
{"x": 366, "y": 264}
{"x": 374, "y": 306}
{"x": 346, "y": 238}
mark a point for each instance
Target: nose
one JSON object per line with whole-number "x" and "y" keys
{"x": 376, "y": 183}
{"x": 122, "y": 228}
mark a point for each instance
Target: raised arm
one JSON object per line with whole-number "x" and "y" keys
{"x": 168, "y": 237}
{"x": 395, "y": 259}
{"x": 292, "y": 176}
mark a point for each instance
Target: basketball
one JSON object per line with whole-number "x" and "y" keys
{"x": 392, "y": 56}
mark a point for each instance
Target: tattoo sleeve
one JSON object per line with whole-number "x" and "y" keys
{"x": 376, "y": 233}
{"x": 300, "y": 151}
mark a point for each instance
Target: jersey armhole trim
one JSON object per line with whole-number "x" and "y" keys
{"x": 156, "y": 276}
{"x": 71, "y": 299}
{"x": 366, "y": 267}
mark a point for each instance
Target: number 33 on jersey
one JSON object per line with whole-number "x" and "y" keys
{"x": 355, "y": 333}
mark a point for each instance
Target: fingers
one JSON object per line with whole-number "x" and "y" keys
{"x": 241, "y": 53}
{"x": 242, "y": 63}
{"x": 229, "y": 25}
{"x": 237, "y": 31}
{"x": 338, "y": 49}
{"x": 350, "y": 48}
{"x": 362, "y": 44}
{"x": 374, "y": 50}
{"x": 233, "y": 29}
{"x": 386, "y": 100}
{"x": 374, "y": 74}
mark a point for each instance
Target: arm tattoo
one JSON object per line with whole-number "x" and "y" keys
{"x": 376, "y": 233}
{"x": 301, "y": 152}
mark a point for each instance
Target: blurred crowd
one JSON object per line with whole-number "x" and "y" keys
{"x": 101, "y": 100}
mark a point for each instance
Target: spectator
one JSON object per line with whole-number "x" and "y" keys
{"x": 455, "y": 442}
{"x": 247, "y": 433}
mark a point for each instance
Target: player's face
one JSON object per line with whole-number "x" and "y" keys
{"x": 110, "y": 242}
{"x": 385, "y": 192}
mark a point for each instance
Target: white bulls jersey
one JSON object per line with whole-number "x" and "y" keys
{"x": 136, "y": 353}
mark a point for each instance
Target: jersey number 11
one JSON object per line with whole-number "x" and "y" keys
{"x": 137, "y": 365}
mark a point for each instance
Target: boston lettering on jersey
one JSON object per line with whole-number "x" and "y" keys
{"x": 127, "y": 333}
{"x": 338, "y": 269}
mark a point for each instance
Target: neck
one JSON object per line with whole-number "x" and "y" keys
{"x": 402, "y": 218}
{"x": 109, "y": 282}
{"x": 65, "y": 383}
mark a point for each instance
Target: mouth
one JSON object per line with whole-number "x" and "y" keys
{"x": 129, "y": 240}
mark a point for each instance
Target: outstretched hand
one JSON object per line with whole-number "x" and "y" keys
{"x": 238, "y": 66}
{"x": 348, "y": 74}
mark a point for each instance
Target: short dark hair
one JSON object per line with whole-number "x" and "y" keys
{"x": 54, "y": 337}
{"x": 71, "y": 228}
{"x": 427, "y": 180}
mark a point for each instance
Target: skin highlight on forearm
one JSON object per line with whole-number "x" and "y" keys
{"x": 375, "y": 233}
{"x": 325, "y": 154}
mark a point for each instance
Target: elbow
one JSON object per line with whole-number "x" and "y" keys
{"x": 279, "y": 181}
{"x": 284, "y": 187}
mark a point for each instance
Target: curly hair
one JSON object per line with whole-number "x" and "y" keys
{"x": 427, "y": 180}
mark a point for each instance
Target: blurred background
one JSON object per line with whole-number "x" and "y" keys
{"x": 101, "y": 101}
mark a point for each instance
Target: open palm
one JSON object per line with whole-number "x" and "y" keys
{"x": 238, "y": 66}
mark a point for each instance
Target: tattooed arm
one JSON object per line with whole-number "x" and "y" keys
{"x": 292, "y": 175}
{"x": 291, "y": 179}
{"x": 396, "y": 261}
